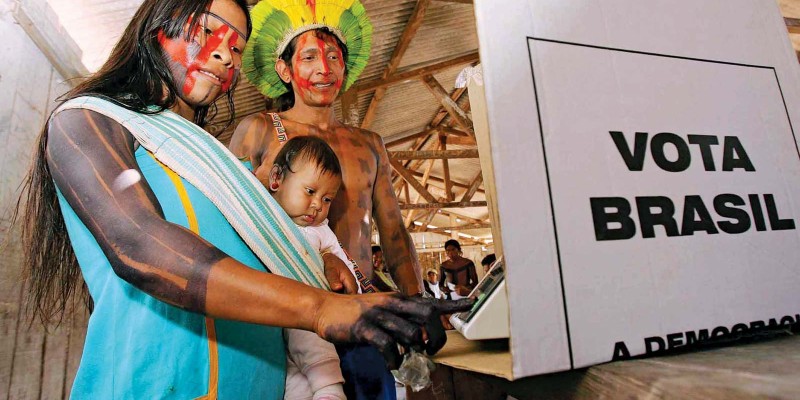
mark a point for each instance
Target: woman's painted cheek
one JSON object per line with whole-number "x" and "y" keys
{"x": 180, "y": 52}
{"x": 175, "y": 48}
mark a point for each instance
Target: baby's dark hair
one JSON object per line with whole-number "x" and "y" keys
{"x": 311, "y": 149}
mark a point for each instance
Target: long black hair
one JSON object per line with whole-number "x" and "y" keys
{"x": 135, "y": 76}
{"x": 286, "y": 100}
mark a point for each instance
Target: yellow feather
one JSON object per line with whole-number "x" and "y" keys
{"x": 332, "y": 10}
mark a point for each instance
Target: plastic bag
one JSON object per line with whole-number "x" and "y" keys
{"x": 415, "y": 371}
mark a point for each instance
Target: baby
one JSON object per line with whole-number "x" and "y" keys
{"x": 304, "y": 180}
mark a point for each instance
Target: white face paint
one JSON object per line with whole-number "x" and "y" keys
{"x": 125, "y": 180}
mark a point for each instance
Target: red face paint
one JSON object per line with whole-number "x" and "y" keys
{"x": 212, "y": 43}
{"x": 178, "y": 50}
{"x": 318, "y": 70}
{"x": 187, "y": 58}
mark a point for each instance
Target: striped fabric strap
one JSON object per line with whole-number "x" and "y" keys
{"x": 205, "y": 163}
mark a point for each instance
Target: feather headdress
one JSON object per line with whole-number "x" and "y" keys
{"x": 277, "y": 22}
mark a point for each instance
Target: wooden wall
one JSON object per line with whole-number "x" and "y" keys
{"x": 34, "y": 364}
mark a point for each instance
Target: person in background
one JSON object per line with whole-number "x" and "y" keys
{"x": 182, "y": 306}
{"x": 381, "y": 278}
{"x": 432, "y": 287}
{"x": 458, "y": 275}
{"x": 432, "y": 284}
{"x": 487, "y": 262}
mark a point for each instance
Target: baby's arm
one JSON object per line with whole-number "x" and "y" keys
{"x": 317, "y": 364}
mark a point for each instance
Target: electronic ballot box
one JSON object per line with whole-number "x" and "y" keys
{"x": 488, "y": 318}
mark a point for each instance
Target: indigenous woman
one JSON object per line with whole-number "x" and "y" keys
{"x": 129, "y": 193}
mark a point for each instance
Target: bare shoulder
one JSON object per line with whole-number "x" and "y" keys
{"x": 80, "y": 125}
{"x": 370, "y": 138}
{"x": 251, "y": 135}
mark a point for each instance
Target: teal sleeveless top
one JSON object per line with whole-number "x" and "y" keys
{"x": 138, "y": 347}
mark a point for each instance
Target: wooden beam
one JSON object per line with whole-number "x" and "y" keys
{"x": 446, "y": 130}
{"x": 462, "y": 141}
{"x": 792, "y": 24}
{"x": 433, "y": 154}
{"x": 448, "y": 185}
{"x": 414, "y": 22}
{"x": 473, "y": 187}
{"x": 428, "y": 219}
{"x": 406, "y": 174}
{"x": 423, "y": 144}
{"x": 442, "y": 113}
{"x": 394, "y": 141}
{"x": 449, "y": 213}
{"x": 437, "y": 120}
{"x": 460, "y": 228}
{"x": 440, "y": 180}
{"x": 40, "y": 23}
{"x": 412, "y": 165}
{"x": 414, "y": 73}
{"x": 436, "y": 123}
{"x": 455, "y": 204}
{"x": 464, "y": 218}
{"x": 425, "y": 176}
{"x": 456, "y": 113}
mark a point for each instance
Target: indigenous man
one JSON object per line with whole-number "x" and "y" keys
{"x": 305, "y": 73}
{"x": 303, "y": 58}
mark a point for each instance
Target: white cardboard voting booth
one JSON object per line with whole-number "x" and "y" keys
{"x": 646, "y": 173}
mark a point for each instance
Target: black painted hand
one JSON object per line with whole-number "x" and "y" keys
{"x": 383, "y": 321}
